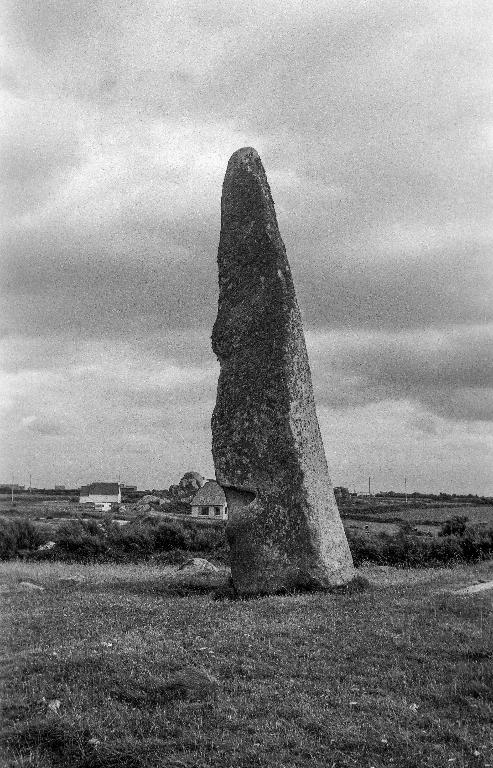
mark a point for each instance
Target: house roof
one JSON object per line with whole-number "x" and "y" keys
{"x": 100, "y": 489}
{"x": 210, "y": 494}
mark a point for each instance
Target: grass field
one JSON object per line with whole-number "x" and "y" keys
{"x": 426, "y": 518}
{"x": 112, "y": 665}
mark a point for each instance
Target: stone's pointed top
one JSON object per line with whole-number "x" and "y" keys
{"x": 245, "y": 153}
{"x": 246, "y": 195}
{"x": 246, "y": 158}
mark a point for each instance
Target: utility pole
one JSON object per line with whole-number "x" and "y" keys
{"x": 12, "y": 490}
{"x": 30, "y": 482}
{"x": 369, "y": 486}
{"x": 405, "y": 488}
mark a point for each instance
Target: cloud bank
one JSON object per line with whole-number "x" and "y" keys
{"x": 374, "y": 122}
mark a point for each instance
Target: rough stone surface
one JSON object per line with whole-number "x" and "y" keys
{"x": 191, "y": 482}
{"x": 27, "y": 586}
{"x": 197, "y": 565}
{"x": 284, "y": 528}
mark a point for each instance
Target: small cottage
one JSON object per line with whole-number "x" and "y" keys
{"x": 210, "y": 501}
{"x": 102, "y": 495}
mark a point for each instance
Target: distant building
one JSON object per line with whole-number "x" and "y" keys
{"x": 59, "y": 487}
{"x": 128, "y": 488}
{"x": 210, "y": 501}
{"x": 11, "y": 486}
{"x": 102, "y": 495}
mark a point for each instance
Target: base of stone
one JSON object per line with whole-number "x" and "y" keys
{"x": 356, "y": 584}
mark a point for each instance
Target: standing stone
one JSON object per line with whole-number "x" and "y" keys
{"x": 284, "y": 528}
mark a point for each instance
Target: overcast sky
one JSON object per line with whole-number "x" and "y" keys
{"x": 374, "y": 123}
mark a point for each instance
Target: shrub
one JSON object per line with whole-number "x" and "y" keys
{"x": 77, "y": 540}
{"x": 26, "y": 533}
{"x": 16, "y": 535}
{"x": 171, "y": 535}
{"x": 447, "y": 549}
{"x": 8, "y": 542}
{"x": 207, "y": 540}
{"x": 456, "y": 526}
{"x": 407, "y": 550}
{"x": 132, "y": 540}
{"x": 364, "y": 548}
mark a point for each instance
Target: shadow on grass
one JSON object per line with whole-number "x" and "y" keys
{"x": 65, "y": 744}
{"x": 63, "y": 741}
{"x": 227, "y": 591}
{"x": 177, "y": 587}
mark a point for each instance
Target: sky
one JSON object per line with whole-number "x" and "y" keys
{"x": 374, "y": 122}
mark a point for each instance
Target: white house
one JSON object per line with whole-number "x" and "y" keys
{"x": 210, "y": 501}
{"x": 102, "y": 495}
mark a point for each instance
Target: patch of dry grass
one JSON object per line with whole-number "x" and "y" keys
{"x": 111, "y": 671}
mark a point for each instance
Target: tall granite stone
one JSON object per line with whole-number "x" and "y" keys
{"x": 284, "y": 528}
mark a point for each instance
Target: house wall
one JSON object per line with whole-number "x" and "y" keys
{"x": 196, "y": 511}
{"x": 97, "y": 498}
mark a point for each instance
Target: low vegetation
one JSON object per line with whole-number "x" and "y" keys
{"x": 103, "y": 540}
{"x": 410, "y": 550}
{"x": 169, "y": 540}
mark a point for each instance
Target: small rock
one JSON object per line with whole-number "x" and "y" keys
{"x": 47, "y": 546}
{"x": 71, "y": 579}
{"x": 54, "y": 705}
{"x": 26, "y": 586}
{"x": 197, "y": 564}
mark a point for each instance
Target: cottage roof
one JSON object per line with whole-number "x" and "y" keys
{"x": 100, "y": 489}
{"x": 210, "y": 494}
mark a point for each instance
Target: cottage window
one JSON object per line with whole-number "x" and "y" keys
{"x": 204, "y": 511}
{"x": 217, "y": 510}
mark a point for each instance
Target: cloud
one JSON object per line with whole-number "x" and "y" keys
{"x": 374, "y": 145}
{"x": 43, "y": 426}
{"x": 382, "y": 440}
{"x": 39, "y": 149}
{"x": 448, "y": 374}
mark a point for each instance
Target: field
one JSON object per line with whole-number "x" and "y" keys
{"x": 121, "y": 665}
{"x": 425, "y": 519}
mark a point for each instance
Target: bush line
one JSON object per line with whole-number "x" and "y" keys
{"x": 171, "y": 541}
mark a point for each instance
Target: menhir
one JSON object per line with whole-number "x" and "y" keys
{"x": 284, "y": 528}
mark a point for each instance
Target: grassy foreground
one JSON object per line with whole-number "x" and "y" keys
{"x": 116, "y": 665}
